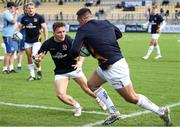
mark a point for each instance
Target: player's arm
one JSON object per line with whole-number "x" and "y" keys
{"x": 45, "y": 30}
{"x": 117, "y": 31}
{"x": 163, "y": 24}
{"x": 145, "y": 25}
{"x": 79, "y": 62}
{"x": 77, "y": 44}
{"x": 19, "y": 27}
{"x": 41, "y": 53}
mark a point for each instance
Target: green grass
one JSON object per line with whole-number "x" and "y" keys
{"x": 159, "y": 80}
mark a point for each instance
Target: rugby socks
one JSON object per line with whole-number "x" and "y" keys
{"x": 11, "y": 67}
{"x": 5, "y": 68}
{"x": 145, "y": 103}
{"x": 19, "y": 65}
{"x": 158, "y": 50}
{"x": 77, "y": 105}
{"x": 150, "y": 50}
{"x": 31, "y": 69}
{"x": 103, "y": 96}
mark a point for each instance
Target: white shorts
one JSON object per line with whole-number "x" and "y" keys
{"x": 117, "y": 75}
{"x": 74, "y": 74}
{"x": 35, "y": 47}
{"x": 155, "y": 36}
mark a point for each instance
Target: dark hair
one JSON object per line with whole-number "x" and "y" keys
{"x": 83, "y": 11}
{"x": 30, "y": 4}
{"x": 58, "y": 24}
{"x": 11, "y": 4}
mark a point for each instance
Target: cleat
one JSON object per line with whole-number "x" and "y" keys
{"x": 5, "y": 72}
{"x": 31, "y": 78}
{"x": 77, "y": 112}
{"x": 12, "y": 71}
{"x": 39, "y": 75}
{"x": 166, "y": 117}
{"x": 101, "y": 104}
{"x": 19, "y": 68}
{"x": 145, "y": 57}
{"x": 158, "y": 57}
{"x": 112, "y": 118}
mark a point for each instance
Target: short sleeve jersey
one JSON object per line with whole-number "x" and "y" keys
{"x": 155, "y": 21}
{"x": 32, "y": 26}
{"x": 8, "y": 27}
{"x": 60, "y": 53}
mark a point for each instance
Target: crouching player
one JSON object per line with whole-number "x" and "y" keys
{"x": 66, "y": 67}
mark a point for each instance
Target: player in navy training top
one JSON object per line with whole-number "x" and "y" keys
{"x": 100, "y": 38}
{"x": 59, "y": 46}
{"x": 157, "y": 24}
{"x": 33, "y": 24}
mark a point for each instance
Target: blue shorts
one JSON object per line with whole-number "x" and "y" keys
{"x": 11, "y": 46}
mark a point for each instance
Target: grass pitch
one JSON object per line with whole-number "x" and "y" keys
{"x": 21, "y": 101}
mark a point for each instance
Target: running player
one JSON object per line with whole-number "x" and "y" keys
{"x": 100, "y": 38}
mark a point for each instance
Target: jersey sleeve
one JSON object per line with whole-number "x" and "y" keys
{"x": 22, "y": 20}
{"x": 160, "y": 18}
{"x": 41, "y": 19}
{"x": 44, "y": 48}
{"x": 8, "y": 16}
{"x": 116, "y": 30}
{"x": 77, "y": 43}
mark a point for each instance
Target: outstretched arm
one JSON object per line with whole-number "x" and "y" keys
{"x": 79, "y": 62}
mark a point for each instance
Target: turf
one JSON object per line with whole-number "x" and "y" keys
{"x": 159, "y": 80}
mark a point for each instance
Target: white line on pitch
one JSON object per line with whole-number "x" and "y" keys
{"x": 49, "y": 108}
{"x": 128, "y": 116}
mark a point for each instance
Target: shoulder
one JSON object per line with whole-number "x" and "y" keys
{"x": 69, "y": 39}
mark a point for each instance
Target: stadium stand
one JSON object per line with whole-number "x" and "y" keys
{"x": 52, "y": 11}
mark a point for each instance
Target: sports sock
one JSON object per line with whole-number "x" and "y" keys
{"x": 145, "y": 103}
{"x": 77, "y": 105}
{"x": 5, "y": 68}
{"x": 31, "y": 69}
{"x": 158, "y": 50}
{"x": 103, "y": 96}
{"x": 19, "y": 65}
{"x": 11, "y": 67}
{"x": 150, "y": 50}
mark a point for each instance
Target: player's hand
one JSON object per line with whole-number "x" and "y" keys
{"x": 78, "y": 65}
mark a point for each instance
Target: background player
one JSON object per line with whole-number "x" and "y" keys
{"x": 9, "y": 25}
{"x": 33, "y": 23}
{"x": 157, "y": 24}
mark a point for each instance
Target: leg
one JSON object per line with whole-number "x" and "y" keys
{"x": 30, "y": 63}
{"x": 82, "y": 81}
{"x": 35, "y": 49}
{"x": 131, "y": 96}
{"x": 6, "y": 63}
{"x": 94, "y": 83}
{"x": 61, "y": 89}
{"x": 156, "y": 46}
{"x": 11, "y": 63}
{"x": 151, "y": 47}
{"x": 20, "y": 56}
